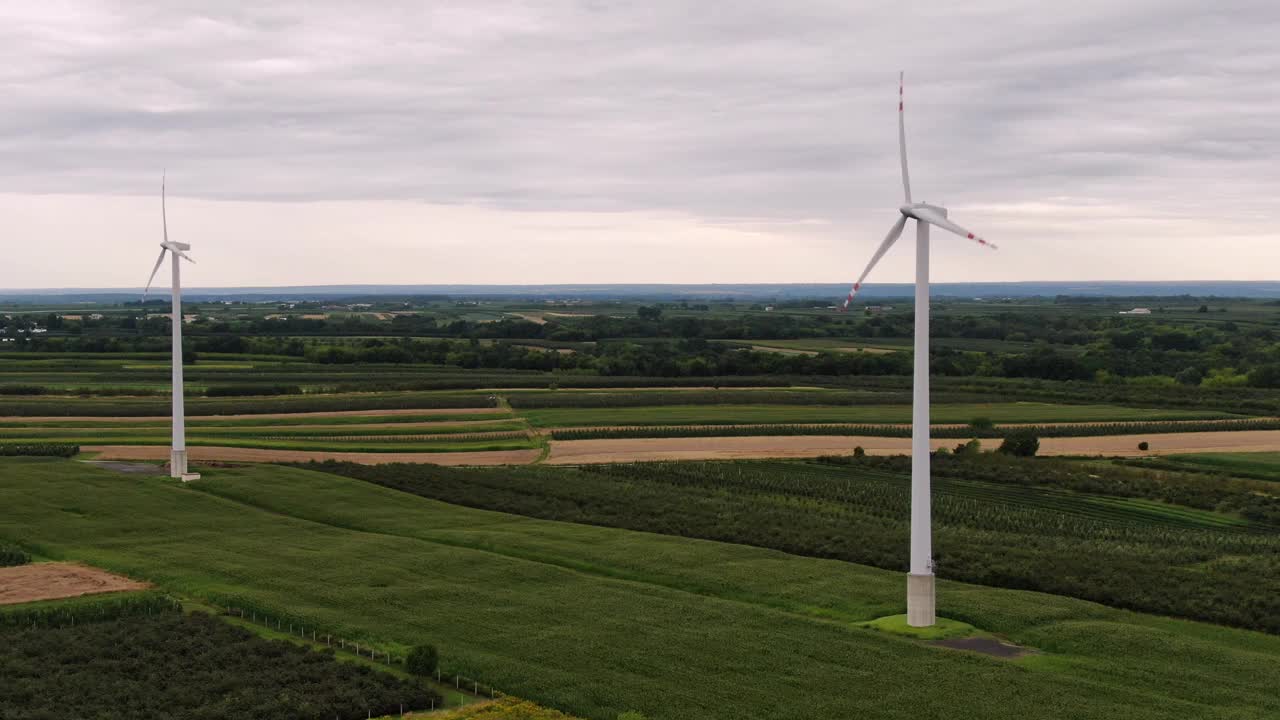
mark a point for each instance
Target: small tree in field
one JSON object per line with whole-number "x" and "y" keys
{"x": 1020, "y": 444}
{"x": 1144, "y": 446}
{"x": 422, "y": 660}
{"x": 859, "y": 452}
{"x": 981, "y": 423}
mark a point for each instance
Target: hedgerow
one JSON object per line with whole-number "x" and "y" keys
{"x": 64, "y": 450}
{"x": 250, "y": 390}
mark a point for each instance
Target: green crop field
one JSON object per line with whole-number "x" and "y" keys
{"x": 597, "y": 621}
{"x": 1025, "y": 412}
{"x": 1264, "y": 465}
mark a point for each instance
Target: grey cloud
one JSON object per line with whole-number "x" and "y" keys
{"x": 773, "y": 110}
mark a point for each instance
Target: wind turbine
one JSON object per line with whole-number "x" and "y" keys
{"x": 178, "y": 452}
{"x": 920, "y": 580}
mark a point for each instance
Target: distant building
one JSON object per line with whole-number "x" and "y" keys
{"x": 878, "y": 308}
{"x": 1136, "y": 311}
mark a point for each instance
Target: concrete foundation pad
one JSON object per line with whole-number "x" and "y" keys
{"x": 177, "y": 463}
{"x": 920, "y": 600}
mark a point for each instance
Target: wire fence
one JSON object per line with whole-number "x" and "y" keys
{"x": 295, "y": 627}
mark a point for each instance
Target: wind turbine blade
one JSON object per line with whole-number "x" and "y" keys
{"x": 902, "y": 144}
{"x": 184, "y": 256}
{"x": 154, "y": 270}
{"x": 894, "y": 233}
{"x": 164, "y": 216}
{"x": 937, "y": 219}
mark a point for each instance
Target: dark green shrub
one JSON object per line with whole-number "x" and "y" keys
{"x": 1020, "y": 443}
{"x": 10, "y": 556}
{"x": 422, "y": 660}
{"x": 1144, "y": 446}
{"x": 859, "y": 452}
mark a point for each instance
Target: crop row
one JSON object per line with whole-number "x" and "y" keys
{"x": 534, "y": 401}
{"x": 238, "y": 406}
{"x": 124, "y": 431}
{"x": 79, "y": 611}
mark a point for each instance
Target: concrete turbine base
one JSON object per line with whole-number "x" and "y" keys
{"x": 920, "y": 600}
{"x": 177, "y": 463}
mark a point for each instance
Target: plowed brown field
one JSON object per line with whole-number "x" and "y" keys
{"x": 49, "y": 581}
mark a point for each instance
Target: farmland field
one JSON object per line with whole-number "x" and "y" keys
{"x": 953, "y": 413}
{"x": 598, "y": 620}
{"x": 1265, "y": 465}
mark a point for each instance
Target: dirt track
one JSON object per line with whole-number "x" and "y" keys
{"x": 235, "y": 454}
{"x": 572, "y": 452}
{"x": 639, "y": 449}
{"x": 49, "y": 581}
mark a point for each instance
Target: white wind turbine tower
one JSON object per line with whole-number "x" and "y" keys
{"x": 920, "y": 581}
{"x": 178, "y": 452}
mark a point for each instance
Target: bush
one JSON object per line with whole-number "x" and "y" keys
{"x": 1189, "y": 376}
{"x": 1020, "y": 444}
{"x": 973, "y": 447}
{"x": 10, "y": 556}
{"x": 859, "y": 452}
{"x": 1144, "y": 446}
{"x": 1265, "y": 376}
{"x": 422, "y": 660}
{"x": 981, "y": 423}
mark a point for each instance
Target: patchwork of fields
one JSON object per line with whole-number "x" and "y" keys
{"x": 598, "y": 621}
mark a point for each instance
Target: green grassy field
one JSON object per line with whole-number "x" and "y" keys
{"x": 1263, "y": 465}
{"x": 1026, "y": 412}
{"x": 598, "y": 621}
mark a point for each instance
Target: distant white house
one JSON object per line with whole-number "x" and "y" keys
{"x": 878, "y": 308}
{"x": 1136, "y": 311}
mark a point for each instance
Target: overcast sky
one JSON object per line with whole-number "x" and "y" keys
{"x": 658, "y": 141}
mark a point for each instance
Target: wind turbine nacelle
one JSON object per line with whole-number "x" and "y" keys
{"x": 175, "y": 246}
{"x": 909, "y": 210}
